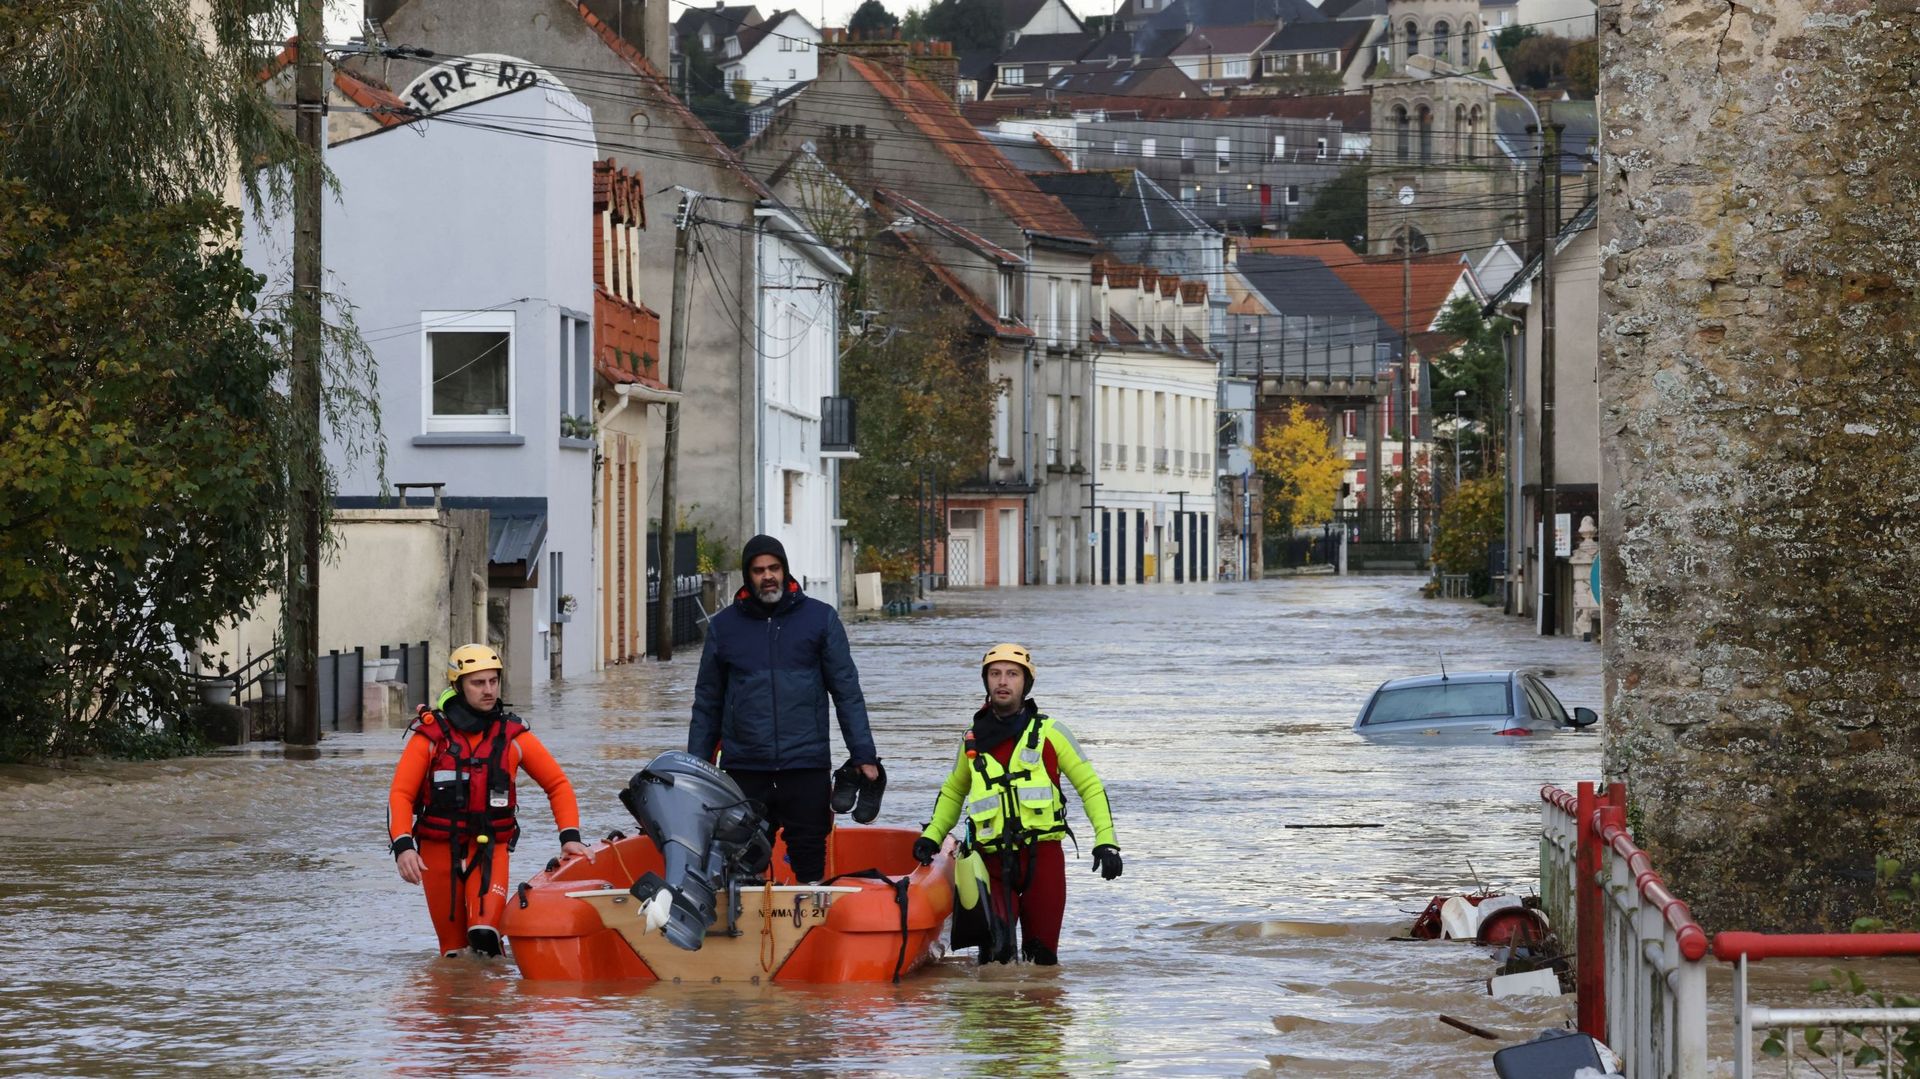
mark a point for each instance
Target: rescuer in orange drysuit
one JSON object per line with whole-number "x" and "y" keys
{"x": 451, "y": 809}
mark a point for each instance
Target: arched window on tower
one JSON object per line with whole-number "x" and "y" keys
{"x": 1413, "y": 38}
{"x": 1469, "y": 45}
{"x": 1473, "y": 133}
{"x": 1410, "y": 238}
{"x": 1426, "y": 133}
{"x": 1403, "y": 142}
{"x": 1457, "y": 146}
{"x": 1443, "y": 41}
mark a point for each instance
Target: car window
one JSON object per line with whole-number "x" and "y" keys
{"x": 1442, "y": 700}
{"x": 1545, "y": 704}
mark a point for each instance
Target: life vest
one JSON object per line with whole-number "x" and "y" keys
{"x": 1018, "y": 803}
{"x": 469, "y": 793}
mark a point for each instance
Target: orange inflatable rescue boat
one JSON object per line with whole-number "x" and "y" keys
{"x": 700, "y": 897}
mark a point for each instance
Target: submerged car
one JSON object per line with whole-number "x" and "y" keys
{"x": 1476, "y": 703}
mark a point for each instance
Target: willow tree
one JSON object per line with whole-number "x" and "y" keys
{"x": 144, "y": 461}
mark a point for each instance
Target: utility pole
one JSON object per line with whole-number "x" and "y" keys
{"x": 1549, "y": 232}
{"x": 670, "y": 455}
{"x": 302, "y": 592}
{"x": 1406, "y": 370}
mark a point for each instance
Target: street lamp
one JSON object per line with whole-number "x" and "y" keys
{"x": 1457, "y": 395}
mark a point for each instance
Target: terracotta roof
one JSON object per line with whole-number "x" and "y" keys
{"x": 1120, "y": 330}
{"x": 958, "y": 232}
{"x": 1382, "y": 282}
{"x": 985, "y": 312}
{"x": 1193, "y": 344}
{"x": 934, "y": 114}
{"x": 1331, "y": 252}
{"x": 1047, "y": 145}
{"x": 683, "y": 116}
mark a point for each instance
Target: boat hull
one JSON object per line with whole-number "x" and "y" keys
{"x": 575, "y": 922}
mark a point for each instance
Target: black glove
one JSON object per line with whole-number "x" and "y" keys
{"x": 1106, "y": 861}
{"x": 924, "y": 849}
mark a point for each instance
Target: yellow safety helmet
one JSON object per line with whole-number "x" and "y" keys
{"x": 469, "y": 658}
{"x": 1009, "y": 653}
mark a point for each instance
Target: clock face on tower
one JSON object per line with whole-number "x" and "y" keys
{"x": 1406, "y": 196}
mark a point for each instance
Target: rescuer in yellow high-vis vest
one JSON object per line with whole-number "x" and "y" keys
{"x": 1006, "y": 784}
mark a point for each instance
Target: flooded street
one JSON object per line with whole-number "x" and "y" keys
{"x": 241, "y": 914}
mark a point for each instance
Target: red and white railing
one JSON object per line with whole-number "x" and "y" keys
{"x": 1639, "y": 975}
{"x": 1640, "y": 971}
{"x": 1852, "y": 1029}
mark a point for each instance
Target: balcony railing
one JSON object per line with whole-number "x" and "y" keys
{"x": 837, "y": 424}
{"x": 1179, "y": 460}
{"x": 1139, "y": 458}
{"x": 1053, "y": 451}
{"x": 1160, "y": 460}
{"x": 1106, "y": 455}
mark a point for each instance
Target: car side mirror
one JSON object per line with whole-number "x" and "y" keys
{"x": 1585, "y": 717}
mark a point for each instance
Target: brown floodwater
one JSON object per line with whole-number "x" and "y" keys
{"x": 239, "y": 914}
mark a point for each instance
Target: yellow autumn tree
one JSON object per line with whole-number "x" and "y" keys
{"x": 1301, "y": 470}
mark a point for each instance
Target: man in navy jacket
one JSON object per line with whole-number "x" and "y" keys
{"x": 771, "y": 661}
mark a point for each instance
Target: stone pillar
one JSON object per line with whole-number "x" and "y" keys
{"x": 1760, "y": 407}
{"x": 1586, "y": 610}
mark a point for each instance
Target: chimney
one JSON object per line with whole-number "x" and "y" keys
{"x": 935, "y": 62}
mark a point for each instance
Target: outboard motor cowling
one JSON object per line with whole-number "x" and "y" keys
{"x": 710, "y": 837}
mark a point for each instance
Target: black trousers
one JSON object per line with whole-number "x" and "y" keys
{"x": 799, "y": 803}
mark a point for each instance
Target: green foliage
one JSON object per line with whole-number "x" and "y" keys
{"x": 1550, "y": 62}
{"x": 1478, "y": 365}
{"x": 971, "y": 25}
{"x": 708, "y": 94}
{"x": 1472, "y": 518}
{"x": 136, "y": 101}
{"x": 1339, "y": 212}
{"x": 925, "y": 403}
{"x": 1897, "y": 887}
{"x": 872, "y": 18}
{"x": 143, "y": 463}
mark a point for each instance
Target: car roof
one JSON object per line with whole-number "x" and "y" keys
{"x": 1437, "y": 679}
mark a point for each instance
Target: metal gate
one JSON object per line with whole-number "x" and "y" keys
{"x": 960, "y": 560}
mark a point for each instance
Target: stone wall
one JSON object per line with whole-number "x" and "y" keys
{"x": 1759, "y": 419}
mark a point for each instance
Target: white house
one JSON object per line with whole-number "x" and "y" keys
{"x": 1155, "y": 389}
{"x": 481, "y": 335}
{"x": 804, "y": 428}
{"x": 772, "y": 56}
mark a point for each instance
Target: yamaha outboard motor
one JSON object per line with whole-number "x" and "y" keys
{"x": 710, "y": 837}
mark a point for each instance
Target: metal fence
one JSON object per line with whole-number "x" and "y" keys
{"x": 416, "y": 670}
{"x": 339, "y": 678}
{"x": 1298, "y": 549}
{"x": 1387, "y": 525}
{"x": 1639, "y": 956}
{"x": 687, "y": 612}
{"x": 1864, "y": 1037}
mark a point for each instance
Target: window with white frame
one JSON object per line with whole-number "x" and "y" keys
{"x": 1013, "y": 75}
{"x": 1233, "y": 69}
{"x": 1186, "y": 149}
{"x": 1073, "y": 314}
{"x": 1053, "y": 428}
{"x": 467, "y": 360}
{"x": 1053, "y": 311}
{"x": 1223, "y": 153}
{"x": 1220, "y": 195}
{"x": 1293, "y": 194}
{"x": 1279, "y": 147}
{"x": 786, "y": 45}
{"x": 1119, "y": 147}
{"x": 1146, "y": 147}
{"x": 803, "y": 45}
{"x": 1076, "y": 415}
{"x": 1320, "y": 149}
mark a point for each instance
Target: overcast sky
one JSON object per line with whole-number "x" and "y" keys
{"x": 343, "y": 16}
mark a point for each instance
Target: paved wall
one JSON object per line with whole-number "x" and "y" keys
{"x": 1759, "y": 424}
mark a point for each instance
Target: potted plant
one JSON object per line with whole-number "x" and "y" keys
{"x": 218, "y": 689}
{"x": 273, "y": 684}
{"x": 567, "y": 605}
